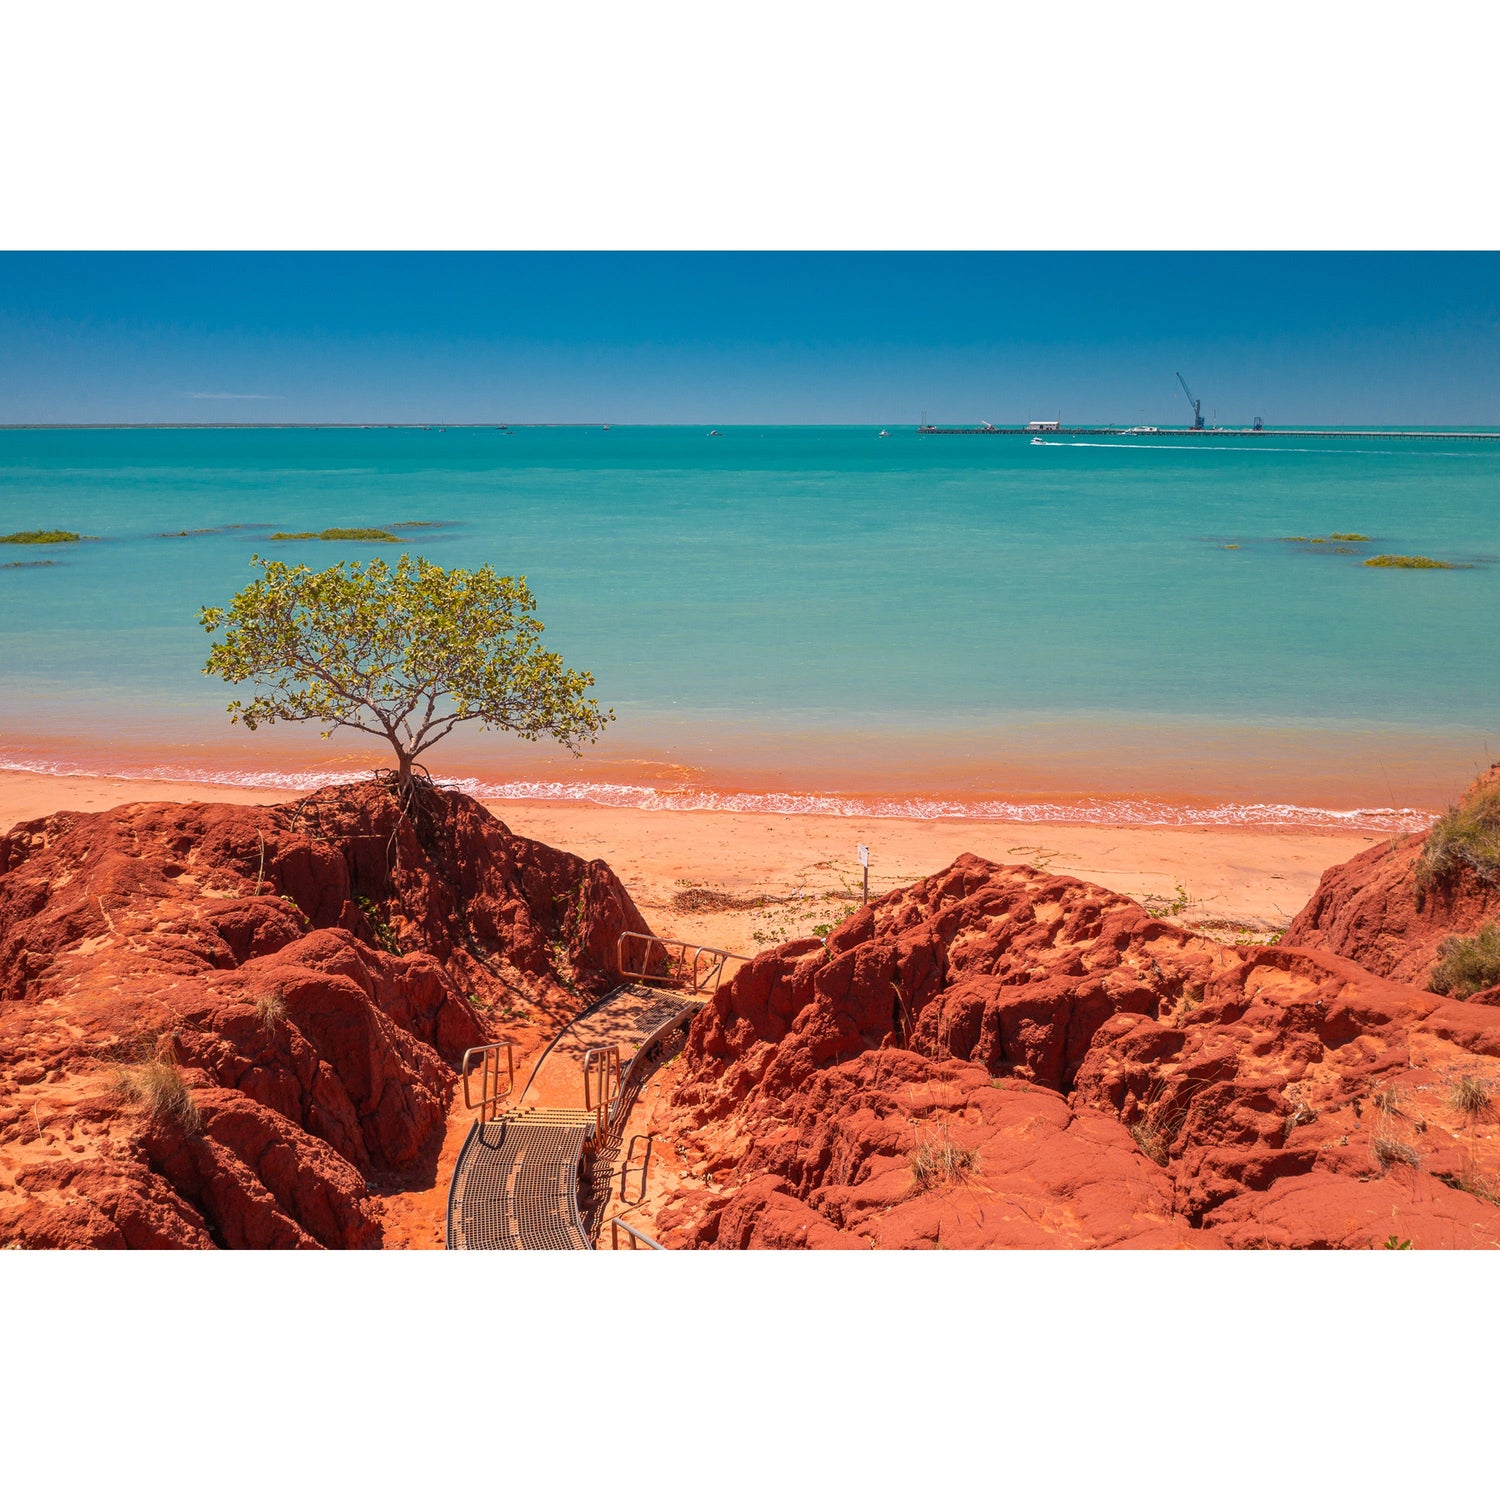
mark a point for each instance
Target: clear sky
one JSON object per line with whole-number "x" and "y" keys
{"x": 727, "y": 337}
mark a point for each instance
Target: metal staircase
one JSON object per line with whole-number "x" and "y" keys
{"x": 516, "y": 1181}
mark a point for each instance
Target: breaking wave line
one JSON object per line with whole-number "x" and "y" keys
{"x": 1132, "y": 812}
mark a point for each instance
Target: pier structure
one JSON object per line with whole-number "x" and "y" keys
{"x": 1051, "y": 430}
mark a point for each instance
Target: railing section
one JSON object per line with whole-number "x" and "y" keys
{"x": 601, "y": 1084}
{"x": 694, "y": 967}
{"x": 639, "y": 1239}
{"x": 494, "y": 1064}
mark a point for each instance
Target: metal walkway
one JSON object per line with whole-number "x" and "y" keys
{"x": 516, "y": 1181}
{"x": 515, "y": 1185}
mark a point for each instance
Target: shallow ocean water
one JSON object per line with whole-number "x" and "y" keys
{"x": 815, "y": 610}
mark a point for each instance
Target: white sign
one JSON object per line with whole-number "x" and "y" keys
{"x": 864, "y": 855}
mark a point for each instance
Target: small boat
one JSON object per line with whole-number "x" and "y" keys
{"x": 883, "y": 433}
{"x": 714, "y": 433}
{"x": 606, "y": 427}
{"x": 1037, "y": 442}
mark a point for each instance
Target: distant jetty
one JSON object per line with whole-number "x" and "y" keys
{"x": 1051, "y": 430}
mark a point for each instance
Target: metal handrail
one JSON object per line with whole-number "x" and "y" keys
{"x": 603, "y": 1062}
{"x": 490, "y": 1092}
{"x": 697, "y": 973}
{"x": 637, "y": 1236}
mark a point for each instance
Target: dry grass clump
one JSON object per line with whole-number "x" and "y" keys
{"x": 1470, "y": 1096}
{"x": 1467, "y": 965}
{"x": 158, "y": 1089}
{"x": 1473, "y": 1182}
{"x": 270, "y": 1009}
{"x": 941, "y": 1162}
{"x": 698, "y": 899}
{"x": 1466, "y": 837}
{"x": 1389, "y": 1151}
{"x": 1151, "y": 1140}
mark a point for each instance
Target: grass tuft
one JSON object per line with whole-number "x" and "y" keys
{"x": 1467, "y": 965}
{"x": 1470, "y": 1096}
{"x": 270, "y": 1009}
{"x": 1151, "y": 1140}
{"x": 941, "y": 1162}
{"x": 161, "y": 1093}
{"x": 1467, "y": 836}
{"x": 1389, "y": 1151}
{"x": 1393, "y": 560}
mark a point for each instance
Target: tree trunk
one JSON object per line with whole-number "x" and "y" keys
{"x": 403, "y": 773}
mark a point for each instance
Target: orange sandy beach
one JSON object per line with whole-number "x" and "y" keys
{"x": 1231, "y": 879}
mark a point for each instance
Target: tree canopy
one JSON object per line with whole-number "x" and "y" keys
{"x": 407, "y": 653}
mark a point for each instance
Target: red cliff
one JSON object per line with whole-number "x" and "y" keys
{"x": 998, "y": 1056}
{"x": 218, "y": 1023}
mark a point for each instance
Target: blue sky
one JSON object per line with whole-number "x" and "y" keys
{"x": 756, "y": 337}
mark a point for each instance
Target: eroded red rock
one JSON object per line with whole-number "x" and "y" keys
{"x": 998, "y": 1056}
{"x": 1372, "y": 910}
{"x": 310, "y": 972}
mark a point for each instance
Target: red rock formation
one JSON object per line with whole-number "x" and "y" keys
{"x": 997, "y": 1056}
{"x": 309, "y": 972}
{"x": 1370, "y": 908}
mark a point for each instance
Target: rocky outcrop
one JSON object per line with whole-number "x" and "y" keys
{"x": 218, "y": 1025}
{"x": 1384, "y": 910}
{"x": 999, "y": 1056}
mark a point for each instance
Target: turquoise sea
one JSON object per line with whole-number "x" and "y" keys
{"x": 815, "y": 617}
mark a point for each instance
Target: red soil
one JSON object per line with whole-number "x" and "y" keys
{"x": 299, "y": 980}
{"x": 998, "y": 1056}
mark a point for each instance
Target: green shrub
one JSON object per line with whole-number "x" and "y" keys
{"x": 1466, "y": 837}
{"x": 40, "y": 538}
{"x": 1392, "y": 560}
{"x": 1467, "y": 965}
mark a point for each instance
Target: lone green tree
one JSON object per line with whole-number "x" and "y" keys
{"x": 406, "y": 653}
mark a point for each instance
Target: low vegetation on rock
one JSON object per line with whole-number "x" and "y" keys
{"x": 1469, "y": 1095}
{"x": 1467, "y": 965}
{"x": 40, "y": 538}
{"x": 1465, "y": 838}
{"x": 161, "y": 1093}
{"x": 335, "y": 534}
{"x": 941, "y": 1163}
{"x": 1395, "y": 560}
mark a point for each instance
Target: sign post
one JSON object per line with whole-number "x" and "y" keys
{"x": 864, "y": 859}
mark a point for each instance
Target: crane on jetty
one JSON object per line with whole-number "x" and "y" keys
{"x": 1193, "y": 402}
